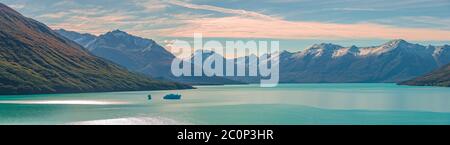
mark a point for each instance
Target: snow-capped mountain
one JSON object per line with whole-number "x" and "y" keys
{"x": 138, "y": 54}
{"x": 336, "y": 51}
{"x": 135, "y": 53}
{"x": 394, "y": 61}
{"x": 441, "y": 54}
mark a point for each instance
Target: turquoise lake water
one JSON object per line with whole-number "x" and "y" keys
{"x": 239, "y": 104}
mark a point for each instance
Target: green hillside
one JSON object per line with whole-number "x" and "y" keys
{"x": 34, "y": 59}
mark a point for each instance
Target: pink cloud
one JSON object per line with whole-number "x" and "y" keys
{"x": 251, "y": 27}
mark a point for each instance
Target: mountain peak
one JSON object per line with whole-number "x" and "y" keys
{"x": 285, "y": 52}
{"x": 396, "y": 42}
{"x": 120, "y": 33}
{"x": 353, "y": 47}
{"x": 326, "y": 45}
{"x": 205, "y": 54}
{"x": 117, "y": 33}
{"x": 61, "y": 30}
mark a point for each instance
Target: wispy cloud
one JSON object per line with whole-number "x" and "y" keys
{"x": 92, "y": 20}
{"x": 17, "y": 6}
{"x": 57, "y": 15}
{"x": 249, "y": 24}
{"x": 286, "y": 19}
{"x": 357, "y": 9}
{"x": 417, "y": 22}
{"x": 153, "y": 5}
{"x": 219, "y": 9}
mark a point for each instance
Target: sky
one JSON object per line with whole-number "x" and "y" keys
{"x": 297, "y": 24}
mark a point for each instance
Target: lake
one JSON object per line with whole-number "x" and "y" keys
{"x": 238, "y": 104}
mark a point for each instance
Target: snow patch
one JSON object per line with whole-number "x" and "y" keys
{"x": 374, "y": 50}
{"x": 340, "y": 52}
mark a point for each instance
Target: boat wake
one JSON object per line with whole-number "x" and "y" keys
{"x": 131, "y": 121}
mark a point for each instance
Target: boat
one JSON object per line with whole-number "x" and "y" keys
{"x": 149, "y": 97}
{"x": 172, "y": 97}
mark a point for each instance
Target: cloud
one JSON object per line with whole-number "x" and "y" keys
{"x": 87, "y": 21}
{"x": 357, "y": 9}
{"x": 242, "y": 27}
{"x": 219, "y": 9}
{"x": 145, "y": 18}
{"x": 155, "y": 6}
{"x": 417, "y": 22}
{"x": 249, "y": 24}
{"x": 17, "y": 6}
{"x": 57, "y": 15}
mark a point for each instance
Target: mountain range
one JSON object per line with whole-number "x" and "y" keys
{"x": 137, "y": 54}
{"x": 34, "y": 59}
{"x": 134, "y": 53}
{"x": 394, "y": 61}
